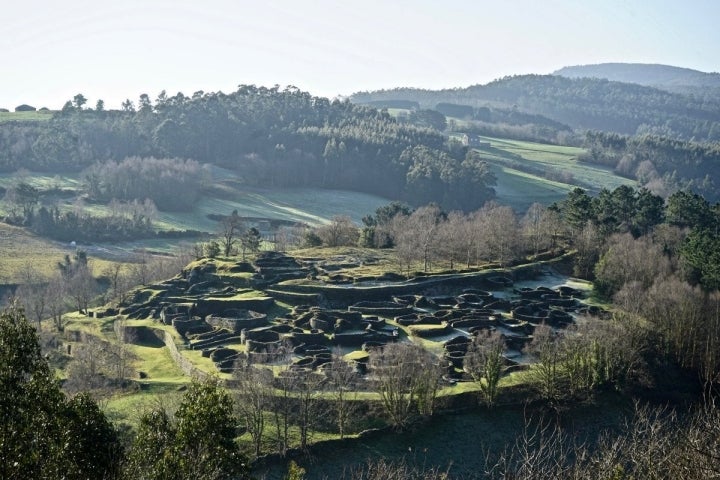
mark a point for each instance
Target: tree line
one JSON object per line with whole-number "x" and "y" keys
{"x": 661, "y": 163}
{"x": 581, "y": 103}
{"x": 172, "y": 184}
{"x": 271, "y": 137}
{"x": 76, "y": 284}
{"x": 429, "y": 236}
{"x": 128, "y": 219}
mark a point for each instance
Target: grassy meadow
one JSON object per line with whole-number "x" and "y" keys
{"x": 311, "y": 206}
{"x": 530, "y": 172}
{"x": 527, "y": 172}
{"x": 24, "y": 116}
{"x": 42, "y": 181}
{"x": 20, "y": 249}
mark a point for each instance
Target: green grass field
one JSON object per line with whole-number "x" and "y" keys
{"x": 519, "y": 189}
{"x": 24, "y": 116}
{"x": 42, "y": 181}
{"x": 20, "y": 249}
{"x": 530, "y": 172}
{"x": 311, "y": 206}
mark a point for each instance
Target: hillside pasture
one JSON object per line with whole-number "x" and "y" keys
{"x": 20, "y": 249}
{"x": 519, "y": 189}
{"x": 303, "y": 205}
{"x": 310, "y": 206}
{"x": 41, "y": 181}
{"x": 564, "y": 159}
{"x": 459, "y": 445}
{"x": 530, "y": 172}
{"x": 25, "y": 116}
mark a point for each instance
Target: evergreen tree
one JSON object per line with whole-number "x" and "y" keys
{"x": 200, "y": 444}
{"x": 42, "y": 434}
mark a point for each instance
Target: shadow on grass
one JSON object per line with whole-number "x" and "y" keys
{"x": 145, "y": 337}
{"x": 461, "y": 444}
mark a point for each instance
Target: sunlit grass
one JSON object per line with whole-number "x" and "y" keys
{"x": 25, "y": 116}
{"x": 157, "y": 364}
{"x": 41, "y": 181}
{"x": 127, "y": 408}
{"x": 21, "y": 250}
{"x": 518, "y": 188}
{"x": 311, "y": 206}
{"x": 356, "y": 355}
{"x": 78, "y": 322}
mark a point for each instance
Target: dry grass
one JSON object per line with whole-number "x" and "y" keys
{"x": 20, "y": 249}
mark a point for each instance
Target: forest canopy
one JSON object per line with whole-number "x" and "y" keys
{"x": 271, "y": 137}
{"x": 581, "y": 103}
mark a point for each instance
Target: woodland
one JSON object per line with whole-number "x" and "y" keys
{"x": 271, "y": 137}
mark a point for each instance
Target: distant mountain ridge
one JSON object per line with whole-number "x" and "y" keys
{"x": 582, "y": 103}
{"x": 676, "y": 79}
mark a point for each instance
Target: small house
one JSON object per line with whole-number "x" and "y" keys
{"x": 474, "y": 141}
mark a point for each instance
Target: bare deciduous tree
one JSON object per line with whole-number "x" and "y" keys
{"x": 499, "y": 227}
{"x": 342, "y": 386}
{"x": 688, "y": 320}
{"x": 307, "y": 387}
{"x": 655, "y": 443}
{"x": 252, "y": 397}
{"x": 587, "y": 242}
{"x": 340, "y": 232}
{"x": 230, "y": 227}
{"x": 416, "y": 235}
{"x": 407, "y": 379}
{"x": 118, "y": 276}
{"x": 485, "y": 364}
{"x": 55, "y": 301}
{"x": 457, "y": 239}
{"x": 86, "y": 371}
{"x": 383, "y": 469}
{"x": 404, "y": 250}
{"x": 540, "y": 225}
{"x": 32, "y": 293}
{"x": 628, "y": 259}
{"x": 547, "y": 373}
{"x": 82, "y": 287}
{"x": 282, "y": 408}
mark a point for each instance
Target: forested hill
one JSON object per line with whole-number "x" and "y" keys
{"x": 271, "y": 137}
{"x": 583, "y": 103}
{"x": 666, "y": 77}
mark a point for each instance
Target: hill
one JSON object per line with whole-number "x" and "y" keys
{"x": 666, "y": 77}
{"x": 530, "y": 172}
{"x": 581, "y": 103}
{"x": 272, "y": 138}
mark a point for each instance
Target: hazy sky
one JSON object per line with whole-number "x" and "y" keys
{"x": 51, "y": 49}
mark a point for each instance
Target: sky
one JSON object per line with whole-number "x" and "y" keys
{"x": 51, "y": 50}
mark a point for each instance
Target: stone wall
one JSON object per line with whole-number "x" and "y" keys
{"x": 167, "y": 339}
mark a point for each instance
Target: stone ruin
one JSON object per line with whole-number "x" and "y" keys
{"x": 211, "y": 317}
